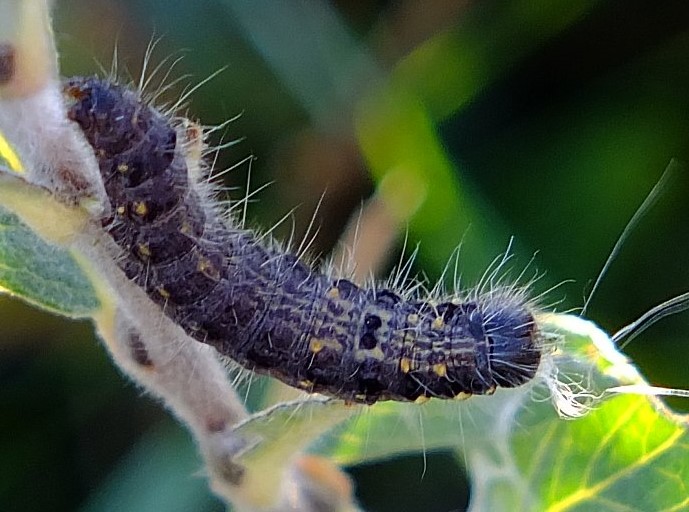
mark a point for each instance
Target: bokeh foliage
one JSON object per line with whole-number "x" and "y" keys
{"x": 546, "y": 120}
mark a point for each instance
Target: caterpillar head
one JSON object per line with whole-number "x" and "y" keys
{"x": 128, "y": 136}
{"x": 515, "y": 351}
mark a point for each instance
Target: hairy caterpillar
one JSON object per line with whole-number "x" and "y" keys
{"x": 267, "y": 310}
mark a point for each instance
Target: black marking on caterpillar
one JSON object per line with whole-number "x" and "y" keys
{"x": 264, "y": 308}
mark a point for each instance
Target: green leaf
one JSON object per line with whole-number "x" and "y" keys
{"x": 623, "y": 456}
{"x": 40, "y": 273}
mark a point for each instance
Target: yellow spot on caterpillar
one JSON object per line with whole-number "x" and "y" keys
{"x": 305, "y": 384}
{"x": 333, "y": 293}
{"x": 185, "y": 228}
{"x": 438, "y": 323}
{"x": 140, "y": 208}
{"x": 318, "y": 344}
{"x": 121, "y": 210}
{"x": 8, "y": 154}
{"x": 460, "y": 397}
{"x": 144, "y": 250}
{"x": 490, "y": 390}
{"x": 440, "y": 369}
{"x": 123, "y": 168}
{"x": 412, "y": 319}
{"x": 405, "y": 365}
{"x": 206, "y": 267}
{"x": 163, "y": 292}
{"x": 422, "y": 399}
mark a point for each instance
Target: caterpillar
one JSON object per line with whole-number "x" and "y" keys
{"x": 266, "y": 309}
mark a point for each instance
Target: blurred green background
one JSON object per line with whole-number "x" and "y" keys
{"x": 546, "y": 120}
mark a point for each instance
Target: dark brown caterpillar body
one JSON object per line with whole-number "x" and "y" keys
{"x": 264, "y": 308}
